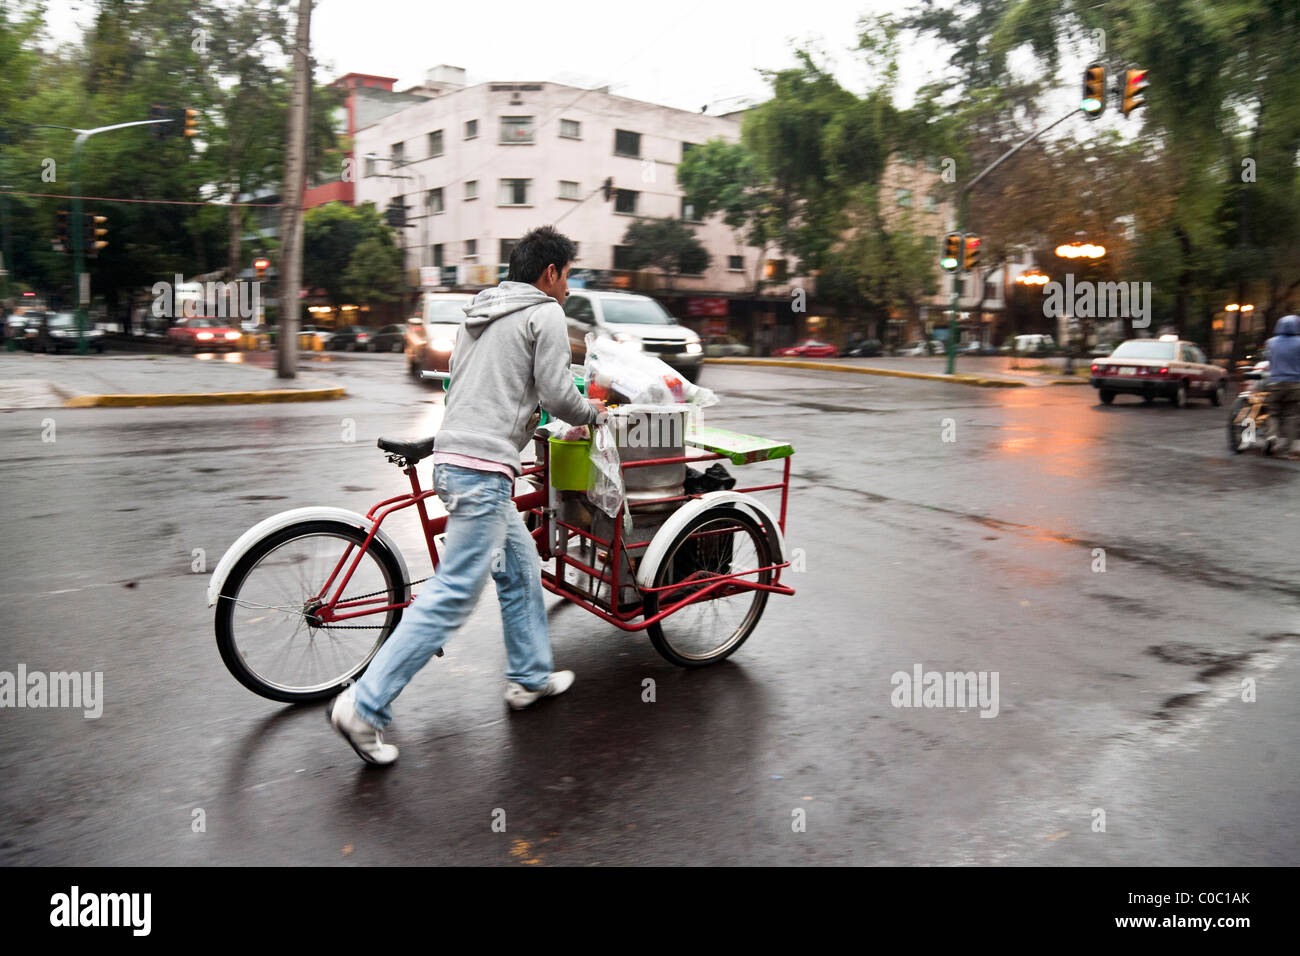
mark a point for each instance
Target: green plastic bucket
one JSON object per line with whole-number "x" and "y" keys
{"x": 570, "y": 464}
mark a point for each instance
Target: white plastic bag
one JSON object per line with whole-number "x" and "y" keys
{"x": 619, "y": 372}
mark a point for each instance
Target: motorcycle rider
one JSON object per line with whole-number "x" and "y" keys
{"x": 1284, "y": 383}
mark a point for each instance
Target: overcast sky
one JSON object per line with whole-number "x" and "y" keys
{"x": 682, "y": 53}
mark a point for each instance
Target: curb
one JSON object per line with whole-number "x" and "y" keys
{"x": 959, "y": 379}
{"x": 207, "y": 398}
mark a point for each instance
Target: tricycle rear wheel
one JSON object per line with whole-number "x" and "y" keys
{"x": 720, "y": 540}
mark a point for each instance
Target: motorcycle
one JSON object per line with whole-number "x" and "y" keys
{"x": 1249, "y": 423}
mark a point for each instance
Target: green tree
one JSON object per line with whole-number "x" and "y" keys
{"x": 374, "y": 272}
{"x": 668, "y": 245}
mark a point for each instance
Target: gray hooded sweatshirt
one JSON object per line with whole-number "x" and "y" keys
{"x": 512, "y": 352}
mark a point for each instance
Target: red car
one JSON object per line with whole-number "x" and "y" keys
{"x": 202, "y": 334}
{"x": 810, "y": 348}
{"x": 1167, "y": 367}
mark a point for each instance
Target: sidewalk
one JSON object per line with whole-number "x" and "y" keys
{"x": 984, "y": 371}
{"x": 84, "y": 381}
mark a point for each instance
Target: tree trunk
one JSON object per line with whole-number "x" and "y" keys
{"x": 291, "y": 198}
{"x": 234, "y": 223}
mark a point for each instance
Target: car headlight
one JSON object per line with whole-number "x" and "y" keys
{"x": 203, "y": 336}
{"x": 442, "y": 344}
{"x": 627, "y": 338}
{"x": 694, "y": 348}
{"x": 232, "y": 335}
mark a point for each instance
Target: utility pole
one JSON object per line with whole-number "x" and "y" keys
{"x": 295, "y": 164}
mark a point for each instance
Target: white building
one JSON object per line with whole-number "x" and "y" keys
{"x": 494, "y": 160}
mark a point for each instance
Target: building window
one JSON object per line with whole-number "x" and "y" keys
{"x": 627, "y": 143}
{"x": 622, "y": 257}
{"x": 931, "y": 202}
{"x": 687, "y": 147}
{"x": 576, "y": 254}
{"x": 932, "y": 164}
{"x": 435, "y": 200}
{"x": 904, "y": 197}
{"x": 736, "y": 263}
{"x": 625, "y": 201}
{"x": 507, "y": 247}
{"x": 516, "y": 129}
{"x": 471, "y": 248}
{"x": 688, "y": 211}
{"x": 370, "y": 166}
{"x": 568, "y": 189}
{"x": 570, "y": 129}
{"x": 514, "y": 192}
{"x": 931, "y": 244}
{"x": 398, "y": 153}
{"x": 775, "y": 270}
{"x": 471, "y": 129}
{"x": 990, "y": 291}
{"x": 435, "y": 143}
{"x": 437, "y": 255}
{"x": 471, "y": 189}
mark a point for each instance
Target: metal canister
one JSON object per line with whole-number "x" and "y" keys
{"x": 646, "y": 432}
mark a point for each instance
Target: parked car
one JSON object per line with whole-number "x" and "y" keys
{"x": 1027, "y": 344}
{"x": 57, "y": 331}
{"x": 431, "y": 335}
{"x": 1101, "y": 349}
{"x": 201, "y": 334}
{"x": 391, "y": 338}
{"x": 863, "y": 348}
{"x": 810, "y": 348}
{"x": 16, "y": 326}
{"x": 1167, "y": 367}
{"x": 317, "y": 332}
{"x": 722, "y": 346}
{"x": 922, "y": 347}
{"x": 625, "y": 317}
{"x": 350, "y": 338}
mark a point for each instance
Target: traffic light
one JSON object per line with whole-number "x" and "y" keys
{"x": 261, "y": 266}
{"x": 609, "y": 188}
{"x": 972, "y": 259}
{"x": 1094, "y": 91}
{"x": 96, "y": 228}
{"x": 1135, "y": 81}
{"x": 61, "y": 231}
{"x": 396, "y": 214}
{"x": 950, "y": 261}
{"x": 191, "y": 121}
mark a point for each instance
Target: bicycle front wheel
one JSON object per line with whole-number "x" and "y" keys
{"x": 268, "y": 630}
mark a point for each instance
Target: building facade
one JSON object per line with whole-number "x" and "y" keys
{"x": 477, "y": 167}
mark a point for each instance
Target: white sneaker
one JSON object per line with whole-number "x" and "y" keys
{"x": 367, "y": 741}
{"x": 518, "y": 696}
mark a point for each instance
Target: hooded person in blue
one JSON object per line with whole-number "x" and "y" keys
{"x": 1284, "y": 381}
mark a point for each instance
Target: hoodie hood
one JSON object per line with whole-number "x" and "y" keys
{"x": 1288, "y": 325}
{"x": 505, "y": 299}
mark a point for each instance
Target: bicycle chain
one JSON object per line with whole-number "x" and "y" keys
{"x": 365, "y": 627}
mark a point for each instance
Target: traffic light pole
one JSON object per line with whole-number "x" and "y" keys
{"x": 961, "y": 227}
{"x": 76, "y": 226}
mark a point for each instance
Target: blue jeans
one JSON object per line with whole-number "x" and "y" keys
{"x": 485, "y": 535}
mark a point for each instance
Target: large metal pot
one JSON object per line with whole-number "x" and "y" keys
{"x": 651, "y": 432}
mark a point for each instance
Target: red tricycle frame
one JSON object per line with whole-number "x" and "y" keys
{"x": 330, "y": 609}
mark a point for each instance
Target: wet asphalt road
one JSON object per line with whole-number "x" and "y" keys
{"x": 1119, "y": 691}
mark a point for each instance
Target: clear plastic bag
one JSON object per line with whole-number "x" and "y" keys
{"x": 621, "y": 373}
{"x": 605, "y": 485}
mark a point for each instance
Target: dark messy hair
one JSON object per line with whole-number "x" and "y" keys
{"x": 540, "y": 248}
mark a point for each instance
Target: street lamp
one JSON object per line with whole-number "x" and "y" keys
{"x": 1076, "y": 250}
